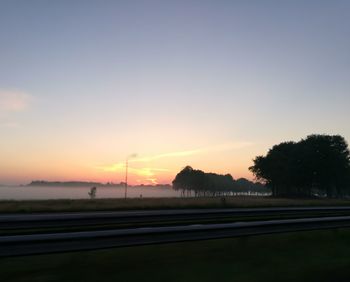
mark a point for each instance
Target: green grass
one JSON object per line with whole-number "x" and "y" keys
{"x": 157, "y": 203}
{"x": 304, "y": 256}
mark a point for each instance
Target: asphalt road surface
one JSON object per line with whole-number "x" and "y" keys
{"x": 42, "y": 243}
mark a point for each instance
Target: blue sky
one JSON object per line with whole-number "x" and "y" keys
{"x": 93, "y": 81}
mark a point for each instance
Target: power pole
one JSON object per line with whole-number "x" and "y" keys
{"x": 126, "y": 173}
{"x": 126, "y": 178}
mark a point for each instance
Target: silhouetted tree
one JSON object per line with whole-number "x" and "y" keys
{"x": 318, "y": 165}
{"x": 211, "y": 184}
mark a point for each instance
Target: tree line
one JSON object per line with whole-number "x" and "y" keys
{"x": 318, "y": 165}
{"x": 200, "y": 183}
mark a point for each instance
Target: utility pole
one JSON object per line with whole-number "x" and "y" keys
{"x": 126, "y": 178}
{"x": 126, "y": 173}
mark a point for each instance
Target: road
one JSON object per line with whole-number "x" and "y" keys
{"x": 34, "y": 242}
{"x": 45, "y": 220}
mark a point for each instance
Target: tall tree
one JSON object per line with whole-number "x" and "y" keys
{"x": 212, "y": 184}
{"x": 316, "y": 165}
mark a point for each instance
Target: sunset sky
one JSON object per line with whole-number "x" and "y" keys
{"x": 211, "y": 84}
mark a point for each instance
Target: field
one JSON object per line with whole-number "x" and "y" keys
{"x": 158, "y": 203}
{"x": 304, "y": 256}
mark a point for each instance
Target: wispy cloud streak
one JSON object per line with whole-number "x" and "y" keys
{"x": 149, "y": 171}
{"x": 166, "y": 155}
{"x": 215, "y": 148}
{"x": 9, "y": 124}
{"x": 13, "y": 100}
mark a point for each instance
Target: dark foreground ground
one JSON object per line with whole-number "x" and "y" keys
{"x": 159, "y": 203}
{"x": 304, "y": 256}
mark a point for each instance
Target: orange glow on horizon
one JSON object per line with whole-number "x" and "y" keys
{"x": 157, "y": 169}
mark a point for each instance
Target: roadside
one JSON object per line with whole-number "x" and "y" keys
{"x": 159, "y": 203}
{"x": 303, "y": 256}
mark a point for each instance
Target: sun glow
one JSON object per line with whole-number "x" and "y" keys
{"x": 163, "y": 167}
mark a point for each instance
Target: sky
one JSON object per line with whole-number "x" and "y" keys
{"x": 84, "y": 85}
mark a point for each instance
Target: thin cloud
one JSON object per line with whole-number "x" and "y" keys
{"x": 144, "y": 171}
{"x": 215, "y": 148}
{"x": 147, "y": 171}
{"x": 166, "y": 155}
{"x": 148, "y": 181}
{"x": 9, "y": 124}
{"x": 112, "y": 167}
{"x": 150, "y": 171}
{"x": 153, "y": 181}
{"x": 14, "y": 100}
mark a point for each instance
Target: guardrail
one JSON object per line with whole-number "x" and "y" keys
{"x": 18, "y": 245}
{"x": 33, "y": 221}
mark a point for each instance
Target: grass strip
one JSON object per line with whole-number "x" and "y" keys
{"x": 32, "y": 206}
{"x": 302, "y": 256}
